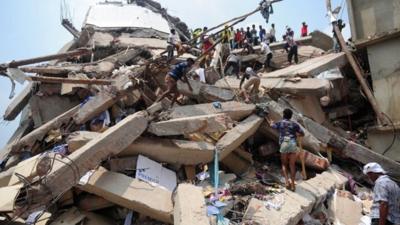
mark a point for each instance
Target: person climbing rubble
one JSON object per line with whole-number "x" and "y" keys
{"x": 291, "y": 48}
{"x": 172, "y": 78}
{"x": 173, "y": 43}
{"x": 268, "y": 53}
{"x": 266, "y": 9}
{"x": 288, "y": 132}
{"x": 233, "y": 65}
{"x": 251, "y": 86}
{"x": 385, "y": 209}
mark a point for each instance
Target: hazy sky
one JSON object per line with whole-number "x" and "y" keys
{"x": 32, "y": 28}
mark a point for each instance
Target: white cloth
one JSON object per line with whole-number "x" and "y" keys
{"x": 265, "y": 48}
{"x": 202, "y": 74}
{"x": 386, "y": 190}
{"x": 373, "y": 168}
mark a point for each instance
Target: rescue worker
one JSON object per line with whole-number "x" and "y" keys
{"x": 385, "y": 209}
{"x": 178, "y": 73}
{"x": 251, "y": 86}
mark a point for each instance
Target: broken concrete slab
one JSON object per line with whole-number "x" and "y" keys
{"x": 18, "y": 103}
{"x": 79, "y": 138}
{"x": 203, "y": 124}
{"x": 237, "y": 164}
{"x": 343, "y": 210}
{"x": 300, "y": 86}
{"x": 93, "y": 202}
{"x": 88, "y": 157}
{"x": 205, "y": 92}
{"x": 8, "y": 195}
{"x": 235, "y": 110}
{"x": 237, "y": 135}
{"x": 155, "y": 202}
{"x": 123, "y": 164}
{"x": 311, "y": 67}
{"x": 40, "y": 111}
{"x": 95, "y": 106}
{"x": 309, "y": 106}
{"x": 38, "y": 134}
{"x": 190, "y": 206}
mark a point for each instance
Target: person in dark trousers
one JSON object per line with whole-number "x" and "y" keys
{"x": 178, "y": 73}
{"x": 292, "y": 49}
{"x": 173, "y": 42}
{"x": 288, "y": 132}
{"x": 385, "y": 209}
{"x": 266, "y": 9}
{"x": 249, "y": 36}
{"x": 341, "y": 25}
{"x": 304, "y": 30}
{"x": 272, "y": 33}
{"x": 268, "y": 53}
{"x": 254, "y": 35}
{"x": 262, "y": 34}
{"x": 233, "y": 65}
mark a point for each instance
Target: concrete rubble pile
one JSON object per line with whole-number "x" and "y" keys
{"x": 94, "y": 146}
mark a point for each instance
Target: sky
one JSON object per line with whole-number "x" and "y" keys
{"x": 32, "y": 28}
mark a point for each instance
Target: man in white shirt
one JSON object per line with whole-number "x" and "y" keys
{"x": 173, "y": 42}
{"x": 272, "y": 33}
{"x": 385, "y": 209}
{"x": 268, "y": 53}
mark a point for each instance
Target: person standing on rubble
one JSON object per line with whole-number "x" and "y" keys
{"x": 385, "y": 209}
{"x": 173, "y": 43}
{"x": 251, "y": 86}
{"x": 272, "y": 33}
{"x": 254, "y": 35}
{"x": 268, "y": 53}
{"x": 238, "y": 39}
{"x": 304, "y": 29}
{"x": 288, "y": 132}
{"x": 292, "y": 49}
{"x": 171, "y": 79}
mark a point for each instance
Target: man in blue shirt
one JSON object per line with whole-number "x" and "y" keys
{"x": 178, "y": 73}
{"x": 288, "y": 131}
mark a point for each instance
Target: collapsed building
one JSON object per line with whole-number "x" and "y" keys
{"x": 94, "y": 146}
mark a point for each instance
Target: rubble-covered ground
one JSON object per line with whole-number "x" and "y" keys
{"x": 94, "y": 146}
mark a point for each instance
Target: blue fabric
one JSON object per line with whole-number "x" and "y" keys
{"x": 287, "y": 128}
{"x": 179, "y": 70}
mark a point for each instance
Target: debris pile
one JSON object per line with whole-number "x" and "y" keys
{"x": 95, "y": 147}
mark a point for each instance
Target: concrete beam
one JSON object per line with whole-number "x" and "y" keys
{"x": 305, "y": 86}
{"x": 237, "y": 135}
{"x": 151, "y": 201}
{"x": 95, "y": 106}
{"x": 235, "y": 110}
{"x": 190, "y": 206}
{"x": 162, "y": 150}
{"x": 111, "y": 142}
{"x": 205, "y": 92}
{"x": 311, "y": 67}
{"x": 203, "y": 124}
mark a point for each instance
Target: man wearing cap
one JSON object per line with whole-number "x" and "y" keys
{"x": 252, "y": 85}
{"x": 385, "y": 209}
